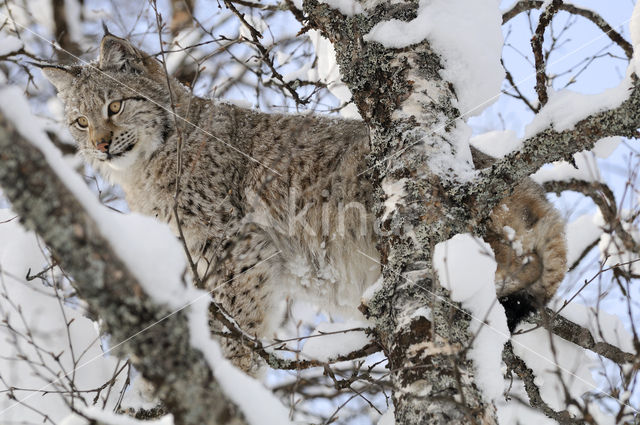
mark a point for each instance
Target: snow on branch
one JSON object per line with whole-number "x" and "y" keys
{"x": 616, "y": 113}
{"x": 160, "y": 340}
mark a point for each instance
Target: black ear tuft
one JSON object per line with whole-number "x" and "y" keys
{"x": 118, "y": 54}
{"x": 105, "y": 29}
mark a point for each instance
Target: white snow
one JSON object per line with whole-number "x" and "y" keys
{"x": 9, "y": 43}
{"x": 20, "y": 251}
{"x": 581, "y": 232}
{"x": 496, "y": 143}
{"x": 603, "y": 148}
{"x": 563, "y": 171}
{"x": 466, "y": 267}
{"x": 388, "y": 418}
{"x": 346, "y": 7}
{"x": 326, "y": 347}
{"x": 395, "y": 192}
{"x": 368, "y": 293}
{"x": 327, "y": 71}
{"x": 450, "y": 159}
{"x": 566, "y": 108}
{"x": 603, "y": 326}
{"x": 155, "y": 257}
{"x": 471, "y": 58}
{"x": 573, "y": 364}
{"x": 512, "y": 412}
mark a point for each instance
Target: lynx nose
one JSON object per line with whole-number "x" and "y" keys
{"x": 100, "y": 139}
{"x": 103, "y": 146}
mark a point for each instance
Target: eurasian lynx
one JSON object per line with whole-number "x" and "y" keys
{"x": 271, "y": 205}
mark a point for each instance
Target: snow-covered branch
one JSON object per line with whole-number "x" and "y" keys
{"x": 157, "y": 340}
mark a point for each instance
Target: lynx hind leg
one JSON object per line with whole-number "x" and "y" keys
{"x": 242, "y": 287}
{"x": 527, "y": 236}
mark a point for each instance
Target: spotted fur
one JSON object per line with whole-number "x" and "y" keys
{"x": 271, "y": 205}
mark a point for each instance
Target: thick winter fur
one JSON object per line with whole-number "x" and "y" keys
{"x": 271, "y": 206}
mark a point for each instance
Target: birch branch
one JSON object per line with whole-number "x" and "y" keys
{"x": 157, "y": 341}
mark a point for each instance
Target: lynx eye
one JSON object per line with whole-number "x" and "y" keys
{"x": 115, "y": 107}
{"x": 82, "y": 122}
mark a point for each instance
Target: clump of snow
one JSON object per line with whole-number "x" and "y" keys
{"x": 581, "y": 233}
{"x": 563, "y": 171}
{"x": 603, "y": 148}
{"x": 603, "y": 326}
{"x": 74, "y": 419}
{"x": 388, "y": 418}
{"x": 394, "y": 192}
{"x": 471, "y": 58}
{"x": 368, "y": 293}
{"x": 450, "y": 159}
{"x": 573, "y": 365}
{"x": 466, "y": 267}
{"x": 9, "y": 43}
{"x": 496, "y": 143}
{"x": 325, "y": 347}
{"x": 346, "y": 7}
{"x": 327, "y": 71}
{"x": 566, "y": 108}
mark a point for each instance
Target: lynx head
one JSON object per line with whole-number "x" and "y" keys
{"x": 116, "y": 108}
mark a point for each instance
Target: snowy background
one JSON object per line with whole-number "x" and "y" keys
{"x": 52, "y": 358}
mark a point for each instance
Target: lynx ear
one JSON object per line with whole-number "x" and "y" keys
{"x": 117, "y": 53}
{"x": 61, "y": 77}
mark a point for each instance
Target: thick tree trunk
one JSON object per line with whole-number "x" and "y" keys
{"x": 433, "y": 380}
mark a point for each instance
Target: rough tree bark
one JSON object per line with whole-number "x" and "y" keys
{"x": 433, "y": 381}
{"x": 163, "y": 352}
{"x": 432, "y": 378}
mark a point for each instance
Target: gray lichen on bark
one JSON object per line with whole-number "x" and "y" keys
{"x": 434, "y": 387}
{"x": 156, "y": 341}
{"x": 432, "y": 381}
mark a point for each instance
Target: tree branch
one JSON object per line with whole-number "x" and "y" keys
{"x": 517, "y": 365}
{"x": 616, "y": 37}
{"x": 536, "y": 45}
{"x": 157, "y": 342}
{"x": 574, "y": 333}
{"x": 547, "y": 146}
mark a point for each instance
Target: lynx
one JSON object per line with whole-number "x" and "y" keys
{"x": 270, "y": 205}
